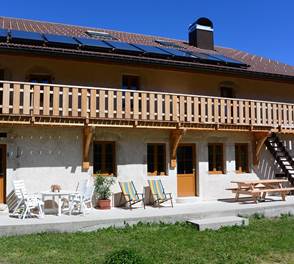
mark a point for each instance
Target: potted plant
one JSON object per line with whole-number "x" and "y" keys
{"x": 102, "y": 190}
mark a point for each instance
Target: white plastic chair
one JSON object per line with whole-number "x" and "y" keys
{"x": 82, "y": 201}
{"x": 26, "y": 202}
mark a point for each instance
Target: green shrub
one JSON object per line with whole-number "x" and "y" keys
{"x": 102, "y": 186}
{"x": 124, "y": 256}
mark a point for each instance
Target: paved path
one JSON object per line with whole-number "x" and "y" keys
{"x": 119, "y": 217}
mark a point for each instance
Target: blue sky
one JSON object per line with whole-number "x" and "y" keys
{"x": 258, "y": 26}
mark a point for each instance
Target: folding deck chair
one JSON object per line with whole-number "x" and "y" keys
{"x": 158, "y": 193}
{"x": 81, "y": 201}
{"x": 130, "y": 193}
{"x": 26, "y": 202}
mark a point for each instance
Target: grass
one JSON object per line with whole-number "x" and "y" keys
{"x": 263, "y": 241}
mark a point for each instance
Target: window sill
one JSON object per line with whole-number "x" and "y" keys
{"x": 156, "y": 175}
{"x": 242, "y": 172}
{"x": 104, "y": 175}
{"x": 216, "y": 172}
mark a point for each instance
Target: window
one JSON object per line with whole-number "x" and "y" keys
{"x": 241, "y": 158}
{"x": 216, "y": 158}
{"x": 130, "y": 82}
{"x": 227, "y": 92}
{"x": 100, "y": 34}
{"x": 156, "y": 163}
{"x": 104, "y": 158}
{"x": 40, "y": 78}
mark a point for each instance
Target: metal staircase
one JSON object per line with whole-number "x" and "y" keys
{"x": 282, "y": 156}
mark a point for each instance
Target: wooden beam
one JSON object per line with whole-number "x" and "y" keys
{"x": 175, "y": 138}
{"x": 258, "y": 141}
{"x": 87, "y": 139}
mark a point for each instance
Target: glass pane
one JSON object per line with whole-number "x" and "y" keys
{"x": 210, "y": 157}
{"x": 109, "y": 158}
{"x": 160, "y": 159}
{"x": 97, "y": 158}
{"x": 150, "y": 158}
{"x": 185, "y": 160}
{"x": 219, "y": 157}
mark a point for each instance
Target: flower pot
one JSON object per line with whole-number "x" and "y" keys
{"x": 104, "y": 204}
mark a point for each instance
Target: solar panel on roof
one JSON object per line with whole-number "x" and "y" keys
{"x": 123, "y": 46}
{"x": 167, "y": 43}
{"x": 26, "y": 37}
{"x": 3, "y": 34}
{"x": 177, "y": 53}
{"x": 204, "y": 56}
{"x": 60, "y": 40}
{"x": 93, "y": 43}
{"x": 152, "y": 50}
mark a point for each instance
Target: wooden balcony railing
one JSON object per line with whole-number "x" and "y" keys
{"x": 75, "y": 105}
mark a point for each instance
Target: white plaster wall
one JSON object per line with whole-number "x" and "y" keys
{"x": 46, "y": 156}
{"x": 131, "y": 156}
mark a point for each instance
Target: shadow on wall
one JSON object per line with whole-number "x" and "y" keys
{"x": 11, "y": 201}
{"x": 31, "y": 148}
{"x": 267, "y": 167}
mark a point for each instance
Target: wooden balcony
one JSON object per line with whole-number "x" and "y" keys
{"x": 63, "y": 105}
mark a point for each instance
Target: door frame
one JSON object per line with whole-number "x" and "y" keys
{"x": 4, "y": 149}
{"x": 194, "y": 157}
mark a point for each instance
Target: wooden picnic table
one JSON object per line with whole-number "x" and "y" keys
{"x": 258, "y": 189}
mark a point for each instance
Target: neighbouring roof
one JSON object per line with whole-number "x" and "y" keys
{"x": 258, "y": 66}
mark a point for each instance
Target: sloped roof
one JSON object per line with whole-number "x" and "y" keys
{"x": 257, "y": 64}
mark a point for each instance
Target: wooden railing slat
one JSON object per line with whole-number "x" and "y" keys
{"x": 16, "y": 99}
{"x": 36, "y": 99}
{"x": 26, "y": 99}
{"x": 136, "y": 106}
{"x": 75, "y": 102}
{"x": 101, "y": 103}
{"x": 65, "y": 101}
{"x": 110, "y": 104}
{"x": 56, "y": 101}
{"x": 175, "y": 108}
{"x": 182, "y": 108}
{"x": 151, "y": 107}
{"x": 144, "y": 106}
{"x": 127, "y": 105}
{"x": 93, "y": 103}
{"x": 84, "y": 103}
{"x": 46, "y": 100}
{"x": 189, "y": 109}
{"x": 209, "y": 110}
{"x": 166, "y": 107}
{"x": 196, "y": 110}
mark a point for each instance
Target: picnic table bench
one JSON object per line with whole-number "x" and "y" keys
{"x": 258, "y": 189}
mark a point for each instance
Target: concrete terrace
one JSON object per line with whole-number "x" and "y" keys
{"x": 119, "y": 217}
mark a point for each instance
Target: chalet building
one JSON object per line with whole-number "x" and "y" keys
{"x": 77, "y": 101}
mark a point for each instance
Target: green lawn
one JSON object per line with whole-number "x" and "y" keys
{"x": 264, "y": 241}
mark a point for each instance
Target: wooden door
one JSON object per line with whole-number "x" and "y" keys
{"x": 2, "y": 173}
{"x": 186, "y": 172}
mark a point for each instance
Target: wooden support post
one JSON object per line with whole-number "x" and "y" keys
{"x": 175, "y": 138}
{"x": 87, "y": 138}
{"x": 258, "y": 140}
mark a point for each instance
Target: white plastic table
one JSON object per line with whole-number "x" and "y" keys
{"x": 59, "y": 195}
